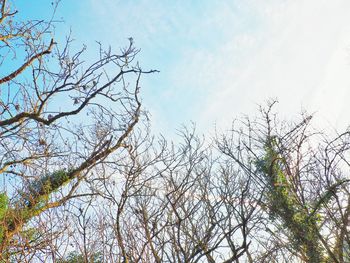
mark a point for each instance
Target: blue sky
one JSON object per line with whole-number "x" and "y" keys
{"x": 219, "y": 59}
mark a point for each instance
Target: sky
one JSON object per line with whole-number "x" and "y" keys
{"x": 219, "y": 60}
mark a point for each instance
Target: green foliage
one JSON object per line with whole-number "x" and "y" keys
{"x": 39, "y": 190}
{"x": 51, "y": 182}
{"x": 3, "y": 210}
{"x": 283, "y": 204}
{"x": 3, "y": 204}
{"x": 75, "y": 257}
{"x": 32, "y": 202}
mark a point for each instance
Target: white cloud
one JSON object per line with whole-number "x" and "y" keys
{"x": 299, "y": 56}
{"x": 218, "y": 60}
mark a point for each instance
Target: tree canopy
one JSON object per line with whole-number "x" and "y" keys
{"x": 84, "y": 180}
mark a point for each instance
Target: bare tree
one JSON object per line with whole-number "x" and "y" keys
{"x": 302, "y": 176}
{"x": 166, "y": 203}
{"x": 83, "y": 180}
{"x": 59, "y": 118}
{"x": 266, "y": 191}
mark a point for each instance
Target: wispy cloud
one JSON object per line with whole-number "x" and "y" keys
{"x": 299, "y": 55}
{"x": 218, "y": 60}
